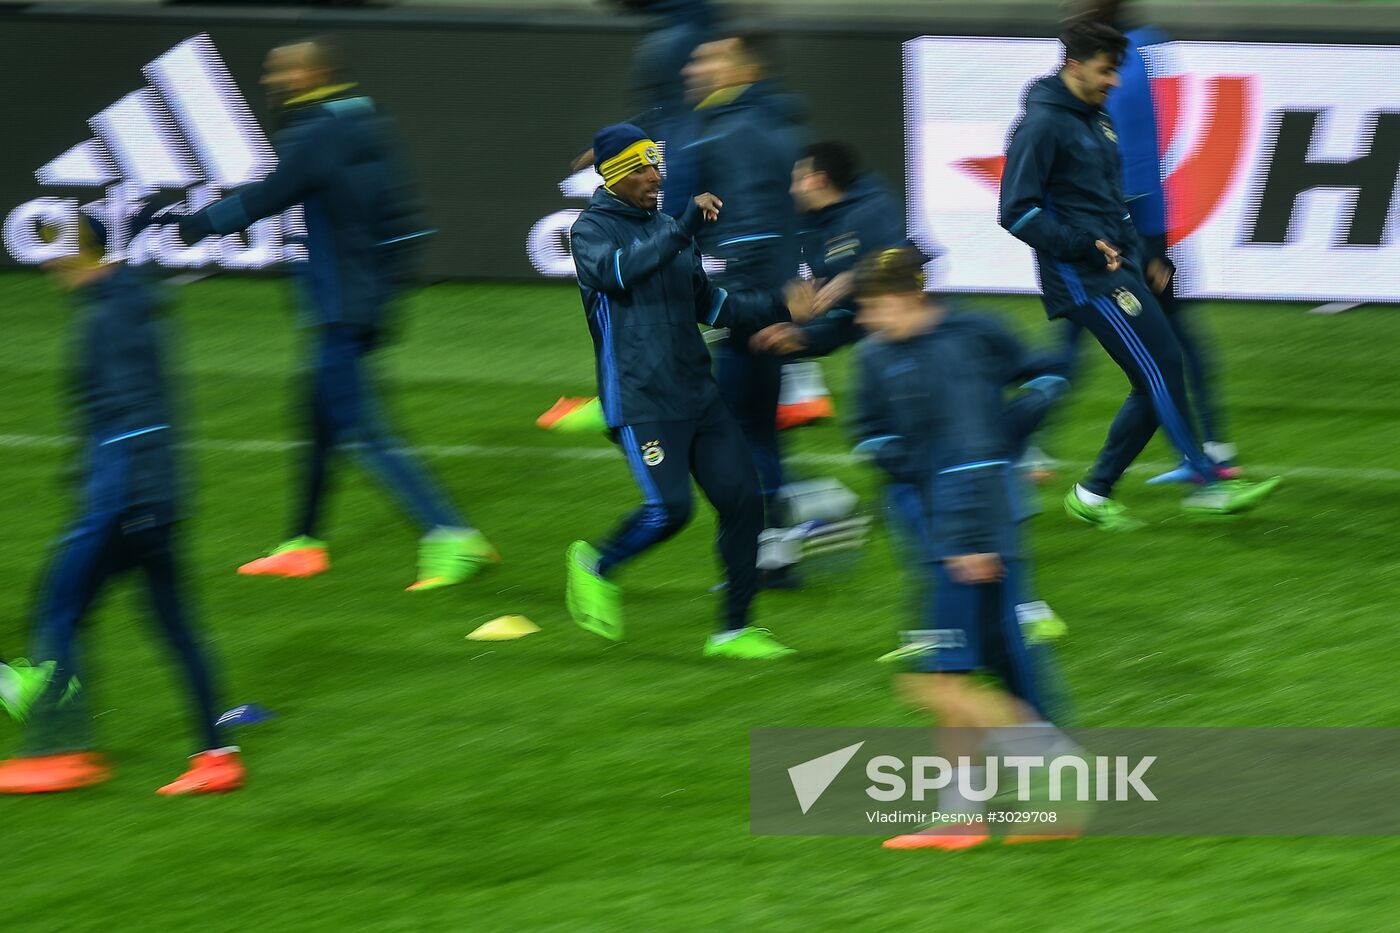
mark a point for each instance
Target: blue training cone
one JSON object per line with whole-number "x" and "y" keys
{"x": 249, "y": 714}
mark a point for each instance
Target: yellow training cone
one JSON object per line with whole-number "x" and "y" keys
{"x": 506, "y": 628}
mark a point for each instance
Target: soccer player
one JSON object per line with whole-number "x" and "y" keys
{"x": 1062, "y": 194}
{"x": 846, "y": 215}
{"x": 337, "y": 158}
{"x": 644, "y": 293}
{"x": 932, "y": 415}
{"x": 128, "y": 518}
{"x": 1134, "y": 116}
{"x": 747, "y": 144}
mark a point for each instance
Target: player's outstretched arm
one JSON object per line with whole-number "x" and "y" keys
{"x": 299, "y": 166}
{"x": 750, "y": 309}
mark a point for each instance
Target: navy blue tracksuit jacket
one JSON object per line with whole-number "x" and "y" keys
{"x": 744, "y": 155}
{"x": 1061, "y": 190}
{"x": 931, "y": 411}
{"x": 645, "y": 293}
{"x": 337, "y": 156}
{"x": 834, "y": 239}
{"x": 122, "y": 400}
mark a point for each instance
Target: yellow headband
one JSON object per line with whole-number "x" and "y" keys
{"x": 640, "y": 153}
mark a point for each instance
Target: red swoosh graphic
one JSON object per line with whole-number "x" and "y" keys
{"x": 986, "y": 169}
{"x": 1199, "y": 184}
{"x": 1166, "y": 101}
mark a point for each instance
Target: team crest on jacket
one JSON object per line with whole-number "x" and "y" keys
{"x": 1108, "y": 131}
{"x": 652, "y": 454}
{"x": 1128, "y": 302}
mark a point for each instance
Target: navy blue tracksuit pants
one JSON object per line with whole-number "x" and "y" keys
{"x": 1197, "y": 353}
{"x": 103, "y": 544}
{"x": 344, "y": 412}
{"x": 1131, "y": 326}
{"x": 971, "y": 628}
{"x": 751, "y": 383}
{"x": 663, "y": 456}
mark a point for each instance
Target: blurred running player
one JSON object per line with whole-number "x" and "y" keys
{"x": 644, "y": 292}
{"x": 932, "y": 415}
{"x": 844, "y": 215}
{"x": 748, "y": 139}
{"x": 130, "y": 509}
{"x": 1062, "y": 194}
{"x": 336, "y": 156}
{"x": 1134, "y": 116}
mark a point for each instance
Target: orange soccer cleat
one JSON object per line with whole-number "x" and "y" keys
{"x": 298, "y": 558}
{"x": 50, "y": 774}
{"x": 809, "y": 411}
{"x": 949, "y": 840}
{"x": 211, "y": 773}
{"x": 574, "y": 416}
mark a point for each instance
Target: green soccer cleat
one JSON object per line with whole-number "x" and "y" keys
{"x": 1229, "y": 497}
{"x": 447, "y": 557}
{"x": 747, "y": 644}
{"x": 1046, "y": 630}
{"x": 1110, "y": 516}
{"x": 594, "y": 603}
{"x": 1040, "y": 625}
{"x": 21, "y": 684}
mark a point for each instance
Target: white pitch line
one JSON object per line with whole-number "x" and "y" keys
{"x": 466, "y": 451}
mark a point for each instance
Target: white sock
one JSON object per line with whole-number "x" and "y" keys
{"x": 1087, "y": 497}
{"x": 1027, "y": 613}
{"x": 722, "y": 637}
{"x": 1219, "y": 452}
{"x": 440, "y": 532}
{"x": 1030, "y": 738}
{"x": 951, "y": 799}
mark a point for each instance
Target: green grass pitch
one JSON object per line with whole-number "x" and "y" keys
{"x": 418, "y": 781}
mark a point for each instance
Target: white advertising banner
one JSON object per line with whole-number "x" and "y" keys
{"x": 1280, "y": 162}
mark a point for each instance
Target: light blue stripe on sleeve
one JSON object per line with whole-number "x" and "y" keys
{"x": 720, "y": 296}
{"x": 1026, "y": 218}
{"x": 617, "y": 269}
{"x": 752, "y": 238}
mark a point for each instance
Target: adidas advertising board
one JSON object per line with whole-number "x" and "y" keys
{"x": 1281, "y": 159}
{"x": 189, "y": 129}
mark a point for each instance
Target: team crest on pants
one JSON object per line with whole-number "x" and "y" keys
{"x": 1128, "y": 302}
{"x": 652, "y": 454}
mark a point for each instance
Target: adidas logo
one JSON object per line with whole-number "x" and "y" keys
{"x": 191, "y": 129}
